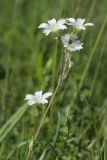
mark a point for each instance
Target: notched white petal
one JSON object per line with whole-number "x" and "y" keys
{"x": 39, "y": 93}
{"x": 61, "y": 21}
{"x": 45, "y": 101}
{"x": 52, "y": 22}
{"x": 62, "y": 27}
{"x": 43, "y": 25}
{"x": 65, "y": 38}
{"x": 29, "y": 96}
{"x": 89, "y": 24}
{"x": 30, "y": 102}
{"x": 80, "y": 21}
{"x": 48, "y": 94}
{"x": 70, "y": 20}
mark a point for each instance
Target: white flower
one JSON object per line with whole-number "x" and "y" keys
{"x": 38, "y": 97}
{"x": 78, "y": 24}
{"x": 53, "y": 26}
{"x": 70, "y": 44}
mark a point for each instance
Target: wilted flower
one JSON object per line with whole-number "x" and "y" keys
{"x": 70, "y": 44}
{"x": 53, "y": 26}
{"x": 38, "y": 97}
{"x": 78, "y": 24}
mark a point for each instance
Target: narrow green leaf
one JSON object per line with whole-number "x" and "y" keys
{"x": 12, "y": 122}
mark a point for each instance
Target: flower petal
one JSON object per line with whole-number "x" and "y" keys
{"x": 52, "y": 22}
{"x": 46, "y": 31}
{"x": 80, "y": 21}
{"x": 43, "y": 25}
{"x": 44, "y": 101}
{"x": 88, "y": 24}
{"x": 29, "y": 96}
{"x": 39, "y": 93}
{"x": 48, "y": 94}
{"x": 61, "y": 21}
{"x": 31, "y": 102}
{"x": 71, "y": 20}
{"x": 65, "y": 39}
{"x": 61, "y": 26}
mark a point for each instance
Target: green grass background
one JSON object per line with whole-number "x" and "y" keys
{"x": 28, "y": 63}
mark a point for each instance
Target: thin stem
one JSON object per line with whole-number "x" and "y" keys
{"x": 46, "y": 112}
{"x": 54, "y": 77}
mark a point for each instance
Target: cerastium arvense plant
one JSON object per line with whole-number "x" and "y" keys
{"x": 66, "y": 32}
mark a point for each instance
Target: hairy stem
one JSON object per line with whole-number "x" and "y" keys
{"x": 62, "y": 76}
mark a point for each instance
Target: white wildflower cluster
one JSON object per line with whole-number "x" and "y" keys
{"x": 70, "y": 41}
{"x": 70, "y": 44}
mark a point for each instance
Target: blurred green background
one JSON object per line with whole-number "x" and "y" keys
{"x": 28, "y": 64}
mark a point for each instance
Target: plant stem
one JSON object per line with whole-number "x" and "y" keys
{"x": 62, "y": 76}
{"x": 46, "y": 112}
